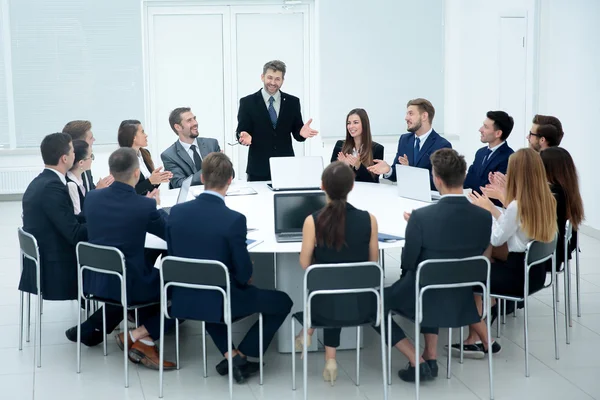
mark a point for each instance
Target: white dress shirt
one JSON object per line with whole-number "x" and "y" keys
{"x": 143, "y": 169}
{"x": 61, "y": 176}
{"x": 187, "y": 147}
{"x": 507, "y": 229}
{"x": 73, "y": 192}
{"x": 276, "y": 98}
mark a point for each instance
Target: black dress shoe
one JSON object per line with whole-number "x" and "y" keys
{"x": 242, "y": 368}
{"x": 408, "y": 374}
{"x": 89, "y": 338}
{"x": 433, "y": 367}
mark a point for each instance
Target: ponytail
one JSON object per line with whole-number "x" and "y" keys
{"x": 331, "y": 225}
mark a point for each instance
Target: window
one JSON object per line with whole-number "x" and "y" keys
{"x": 73, "y": 59}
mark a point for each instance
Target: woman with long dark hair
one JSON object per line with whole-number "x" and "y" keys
{"x": 131, "y": 134}
{"x": 359, "y": 149}
{"x": 81, "y": 164}
{"x": 564, "y": 184}
{"x": 339, "y": 233}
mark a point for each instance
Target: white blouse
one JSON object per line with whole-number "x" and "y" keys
{"x": 507, "y": 229}
{"x": 73, "y": 192}
{"x": 143, "y": 169}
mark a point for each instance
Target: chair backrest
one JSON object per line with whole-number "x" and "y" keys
{"x": 28, "y": 245}
{"x": 101, "y": 259}
{"x": 344, "y": 278}
{"x": 195, "y": 274}
{"x": 451, "y": 273}
{"x": 539, "y": 252}
{"x": 568, "y": 234}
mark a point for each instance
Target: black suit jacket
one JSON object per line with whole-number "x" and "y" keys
{"x": 222, "y": 238}
{"x": 144, "y": 185}
{"x": 478, "y": 174}
{"x": 267, "y": 141}
{"x": 117, "y": 216}
{"x": 451, "y": 228}
{"x": 361, "y": 174}
{"x": 48, "y": 216}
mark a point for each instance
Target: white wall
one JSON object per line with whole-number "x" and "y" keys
{"x": 569, "y": 86}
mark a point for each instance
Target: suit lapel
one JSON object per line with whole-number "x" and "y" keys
{"x": 282, "y": 107}
{"x": 184, "y": 156}
{"x": 203, "y": 147}
{"x": 426, "y": 146}
{"x": 492, "y": 157}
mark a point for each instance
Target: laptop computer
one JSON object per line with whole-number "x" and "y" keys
{"x": 291, "y": 209}
{"x": 413, "y": 183}
{"x": 295, "y": 173}
{"x": 183, "y": 192}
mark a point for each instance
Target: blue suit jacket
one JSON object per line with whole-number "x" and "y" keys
{"x": 406, "y": 145}
{"x": 206, "y": 228}
{"x": 117, "y": 216}
{"x": 477, "y": 175}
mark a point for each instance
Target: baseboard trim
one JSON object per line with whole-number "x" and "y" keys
{"x": 589, "y": 231}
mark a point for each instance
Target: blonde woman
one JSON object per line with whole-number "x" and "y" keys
{"x": 530, "y": 214}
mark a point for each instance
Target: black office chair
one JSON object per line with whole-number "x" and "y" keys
{"x": 333, "y": 280}
{"x": 110, "y": 261}
{"x": 199, "y": 275}
{"x": 447, "y": 274}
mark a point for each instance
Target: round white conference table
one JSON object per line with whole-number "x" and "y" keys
{"x": 276, "y": 265}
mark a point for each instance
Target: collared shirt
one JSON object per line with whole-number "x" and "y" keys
{"x": 143, "y": 168}
{"x": 212, "y": 192}
{"x": 423, "y": 138}
{"x": 507, "y": 229}
{"x": 452, "y": 195}
{"x": 63, "y": 179}
{"x": 187, "y": 147}
{"x": 277, "y": 100}
{"x": 73, "y": 192}
{"x": 496, "y": 147}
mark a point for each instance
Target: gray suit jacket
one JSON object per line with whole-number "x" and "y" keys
{"x": 179, "y": 162}
{"x": 451, "y": 228}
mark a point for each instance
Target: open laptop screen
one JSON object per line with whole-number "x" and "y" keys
{"x": 291, "y": 209}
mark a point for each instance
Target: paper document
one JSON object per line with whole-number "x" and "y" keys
{"x": 384, "y": 237}
{"x": 250, "y": 243}
{"x": 242, "y": 191}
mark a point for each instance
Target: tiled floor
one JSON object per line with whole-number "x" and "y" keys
{"x": 574, "y": 376}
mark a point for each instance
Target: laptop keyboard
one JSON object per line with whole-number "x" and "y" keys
{"x": 289, "y": 237}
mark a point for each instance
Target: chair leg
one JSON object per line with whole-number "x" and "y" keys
{"x": 526, "y": 333}
{"x": 176, "y": 341}
{"x": 260, "y": 346}
{"x": 417, "y": 350}
{"x": 38, "y": 327}
{"x": 567, "y": 302}
{"x": 28, "y": 337}
{"x": 577, "y": 279}
{"x": 104, "y": 330}
{"x": 389, "y": 347}
{"x": 515, "y": 312}
{"x": 229, "y": 359}
{"x": 557, "y": 289}
{"x": 489, "y": 339}
{"x": 305, "y": 355}
{"x": 503, "y": 312}
{"x": 293, "y": 326}
{"x": 358, "y": 356}
{"x": 125, "y": 346}
{"x": 79, "y": 334}
{"x": 462, "y": 340}
{"x": 161, "y": 351}
{"x": 136, "y": 318}
{"x": 448, "y": 358}
{"x": 569, "y": 298}
{"x": 555, "y": 316}
{"x": 384, "y": 370}
{"x": 498, "y": 317}
{"x": 21, "y": 298}
{"x": 204, "y": 355}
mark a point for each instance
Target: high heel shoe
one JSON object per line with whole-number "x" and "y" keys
{"x": 300, "y": 341}
{"x": 330, "y": 372}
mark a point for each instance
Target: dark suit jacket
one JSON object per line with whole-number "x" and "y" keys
{"x": 179, "y": 162}
{"x": 561, "y": 220}
{"x": 406, "y": 145}
{"x": 119, "y": 217}
{"x": 267, "y": 142}
{"x": 48, "y": 216}
{"x": 88, "y": 181}
{"x": 477, "y": 176}
{"x": 451, "y": 228}
{"x": 361, "y": 175}
{"x": 222, "y": 238}
{"x": 144, "y": 185}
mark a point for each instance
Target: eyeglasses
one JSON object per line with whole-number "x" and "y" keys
{"x": 534, "y": 134}
{"x": 91, "y": 157}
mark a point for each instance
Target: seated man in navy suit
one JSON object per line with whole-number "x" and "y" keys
{"x": 416, "y": 146}
{"x": 494, "y": 157}
{"x": 205, "y": 228}
{"x": 117, "y": 216}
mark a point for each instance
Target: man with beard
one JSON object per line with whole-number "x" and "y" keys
{"x": 546, "y": 131}
{"x": 266, "y": 119}
{"x": 416, "y": 146}
{"x": 184, "y": 157}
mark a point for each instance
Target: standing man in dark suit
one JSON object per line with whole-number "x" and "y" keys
{"x": 450, "y": 228}
{"x": 82, "y": 130}
{"x": 205, "y": 228}
{"x": 48, "y": 216}
{"x": 494, "y": 157}
{"x": 266, "y": 119}
{"x": 416, "y": 146}
{"x": 184, "y": 157}
{"x": 119, "y": 217}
